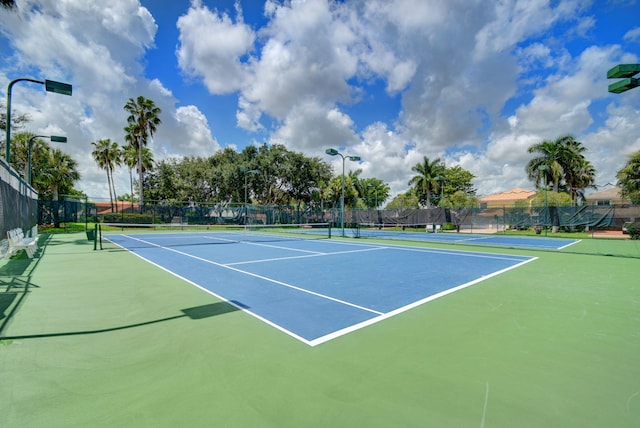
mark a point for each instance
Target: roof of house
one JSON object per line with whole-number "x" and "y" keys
{"x": 607, "y": 194}
{"x": 516, "y": 194}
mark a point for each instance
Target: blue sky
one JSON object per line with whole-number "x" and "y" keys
{"x": 472, "y": 82}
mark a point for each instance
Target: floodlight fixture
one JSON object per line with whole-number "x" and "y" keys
{"x": 623, "y": 70}
{"x": 626, "y": 73}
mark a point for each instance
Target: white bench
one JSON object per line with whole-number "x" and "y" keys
{"x": 432, "y": 228}
{"x": 17, "y": 242}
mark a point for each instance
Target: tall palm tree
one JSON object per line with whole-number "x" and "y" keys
{"x": 580, "y": 176}
{"x": 130, "y": 159}
{"x": 546, "y": 168}
{"x": 428, "y": 182}
{"x": 108, "y": 155}
{"x": 143, "y": 120}
{"x": 561, "y": 163}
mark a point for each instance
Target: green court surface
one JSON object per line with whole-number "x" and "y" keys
{"x": 104, "y": 339}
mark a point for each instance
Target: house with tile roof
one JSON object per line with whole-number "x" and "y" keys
{"x": 607, "y": 197}
{"x": 506, "y": 199}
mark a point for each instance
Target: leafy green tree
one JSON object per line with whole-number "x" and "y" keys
{"x": 142, "y": 122}
{"x": 460, "y": 199}
{"x": 458, "y": 179}
{"x": 108, "y": 155}
{"x": 428, "y": 182}
{"x": 404, "y": 200}
{"x": 629, "y": 178}
{"x": 60, "y": 172}
{"x": 20, "y": 151}
{"x": 303, "y": 176}
{"x": 551, "y": 199}
{"x": 162, "y": 184}
{"x": 374, "y": 192}
{"x": 333, "y": 192}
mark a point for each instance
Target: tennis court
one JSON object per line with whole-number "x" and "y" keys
{"x": 314, "y": 289}
{"x": 494, "y": 239}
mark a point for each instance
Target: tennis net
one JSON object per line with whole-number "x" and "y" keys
{"x": 171, "y": 235}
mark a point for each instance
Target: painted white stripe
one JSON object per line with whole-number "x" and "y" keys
{"x": 302, "y": 257}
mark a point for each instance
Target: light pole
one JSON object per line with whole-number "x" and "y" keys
{"x": 54, "y": 138}
{"x": 375, "y": 190}
{"x": 440, "y": 180}
{"x": 543, "y": 168}
{"x": 334, "y": 152}
{"x": 246, "y": 172}
{"x": 49, "y": 85}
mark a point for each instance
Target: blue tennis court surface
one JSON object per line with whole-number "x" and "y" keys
{"x": 471, "y": 238}
{"x": 319, "y": 289}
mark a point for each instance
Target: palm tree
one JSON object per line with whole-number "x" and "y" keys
{"x": 60, "y": 173}
{"x": 546, "y": 168}
{"x": 428, "y": 182}
{"x": 581, "y": 175}
{"x": 629, "y": 178}
{"x": 142, "y": 123}
{"x": 107, "y": 155}
{"x": 130, "y": 159}
{"x": 561, "y": 163}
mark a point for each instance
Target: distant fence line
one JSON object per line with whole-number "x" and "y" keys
{"x": 465, "y": 218}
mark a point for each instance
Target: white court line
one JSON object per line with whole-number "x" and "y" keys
{"x": 284, "y": 284}
{"x": 302, "y": 257}
{"x": 568, "y": 245}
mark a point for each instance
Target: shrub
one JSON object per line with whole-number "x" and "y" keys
{"x": 634, "y": 230}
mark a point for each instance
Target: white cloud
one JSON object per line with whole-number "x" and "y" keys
{"x": 211, "y": 46}
{"x": 311, "y": 125}
{"x": 632, "y": 35}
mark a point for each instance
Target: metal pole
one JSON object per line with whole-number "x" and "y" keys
{"x": 8, "y": 125}
{"x": 342, "y": 196}
{"x": 245, "y": 197}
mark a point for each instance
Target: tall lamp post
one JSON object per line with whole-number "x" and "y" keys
{"x": 334, "y": 152}
{"x": 543, "y": 168}
{"x": 375, "y": 190}
{"x": 54, "y": 138}
{"x": 246, "y": 172}
{"x": 49, "y": 85}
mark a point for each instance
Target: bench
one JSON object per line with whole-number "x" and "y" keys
{"x": 17, "y": 242}
{"x": 432, "y": 228}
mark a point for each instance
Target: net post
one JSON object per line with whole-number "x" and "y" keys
{"x": 95, "y": 237}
